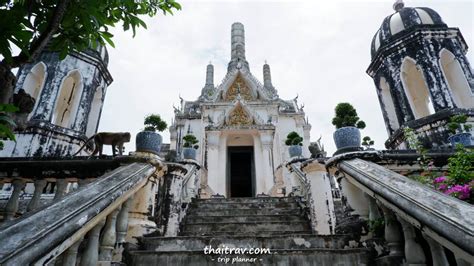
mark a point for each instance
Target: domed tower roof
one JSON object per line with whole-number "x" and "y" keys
{"x": 403, "y": 20}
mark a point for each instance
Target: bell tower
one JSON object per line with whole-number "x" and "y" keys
{"x": 419, "y": 67}
{"x": 69, "y": 95}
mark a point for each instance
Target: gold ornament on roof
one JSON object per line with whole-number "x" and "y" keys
{"x": 238, "y": 87}
{"x": 239, "y": 117}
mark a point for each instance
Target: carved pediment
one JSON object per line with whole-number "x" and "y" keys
{"x": 239, "y": 117}
{"x": 239, "y": 87}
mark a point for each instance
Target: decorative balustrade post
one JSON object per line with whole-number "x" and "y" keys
{"x": 91, "y": 253}
{"x": 12, "y": 205}
{"x": 414, "y": 254}
{"x": 392, "y": 233}
{"x": 437, "y": 252}
{"x": 40, "y": 184}
{"x": 70, "y": 255}
{"x": 109, "y": 237}
{"x": 122, "y": 220}
{"x": 374, "y": 212}
{"x": 374, "y": 217}
{"x": 61, "y": 186}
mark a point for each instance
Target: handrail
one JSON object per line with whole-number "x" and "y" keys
{"x": 32, "y": 237}
{"x": 187, "y": 177}
{"x": 306, "y": 193}
{"x": 441, "y": 217}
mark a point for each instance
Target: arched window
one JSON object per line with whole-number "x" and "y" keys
{"x": 94, "y": 113}
{"x": 415, "y": 89}
{"x": 34, "y": 82}
{"x": 457, "y": 82}
{"x": 387, "y": 101}
{"x": 68, "y": 100}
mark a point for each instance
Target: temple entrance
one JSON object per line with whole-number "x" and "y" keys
{"x": 241, "y": 177}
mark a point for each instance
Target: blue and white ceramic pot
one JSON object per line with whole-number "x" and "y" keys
{"x": 148, "y": 141}
{"x": 295, "y": 151}
{"x": 461, "y": 138}
{"x": 189, "y": 153}
{"x": 347, "y": 137}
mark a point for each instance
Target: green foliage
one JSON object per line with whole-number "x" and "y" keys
{"x": 190, "y": 141}
{"x": 367, "y": 142}
{"x": 346, "y": 116}
{"x": 426, "y": 163}
{"x": 82, "y": 24}
{"x": 423, "y": 179}
{"x": 293, "y": 138}
{"x": 6, "y": 123}
{"x": 457, "y": 124}
{"x": 461, "y": 166}
{"x": 154, "y": 122}
{"x": 376, "y": 225}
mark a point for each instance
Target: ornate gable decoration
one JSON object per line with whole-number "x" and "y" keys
{"x": 239, "y": 117}
{"x": 239, "y": 86}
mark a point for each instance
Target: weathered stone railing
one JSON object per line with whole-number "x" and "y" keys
{"x": 181, "y": 185}
{"x": 314, "y": 186}
{"x": 303, "y": 189}
{"x": 191, "y": 184}
{"x": 96, "y": 214}
{"x": 411, "y": 208}
{"x": 26, "y": 184}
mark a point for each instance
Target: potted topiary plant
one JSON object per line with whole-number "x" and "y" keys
{"x": 347, "y": 134}
{"x": 367, "y": 142}
{"x": 460, "y": 130}
{"x": 294, "y": 141}
{"x": 190, "y": 146}
{"x": 148, "y": 140}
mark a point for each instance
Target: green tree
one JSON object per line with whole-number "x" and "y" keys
{"x": 346, "y": 116}
{"x": 154, "y": 123}
{"x": 64, "y": 26}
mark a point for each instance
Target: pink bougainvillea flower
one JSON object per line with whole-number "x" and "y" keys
{"x": 439, "y": 179}
{"x": 442, "y": 187}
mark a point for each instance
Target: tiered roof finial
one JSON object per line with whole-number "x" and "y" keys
{"x": 398, "y": 5}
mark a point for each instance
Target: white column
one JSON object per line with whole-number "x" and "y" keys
{"x": 355, "y": 198}
{"x": 321, "y": 193}
{"x": 266, "y": 140}
{"x": 215, "y": 180}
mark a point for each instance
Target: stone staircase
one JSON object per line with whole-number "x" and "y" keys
{"x": 273, "y": 225}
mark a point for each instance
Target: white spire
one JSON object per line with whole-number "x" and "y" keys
{"x": 210, "y": 75}
{"x": 267, "y": 77}
{"x": 238, "y": 41}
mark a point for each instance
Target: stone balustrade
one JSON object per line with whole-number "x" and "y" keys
{"x": 86, "y": 226}
{"x": 181, "y": 185}
{"x": 422, "y": 226}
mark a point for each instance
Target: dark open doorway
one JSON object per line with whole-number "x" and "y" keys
{"x": 241, "y": 172}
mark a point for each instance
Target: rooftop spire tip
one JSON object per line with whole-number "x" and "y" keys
{"x": 398, "y": 5}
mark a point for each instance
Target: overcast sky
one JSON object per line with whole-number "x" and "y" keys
{"x": 319, "y": 50}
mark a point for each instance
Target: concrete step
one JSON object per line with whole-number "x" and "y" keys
{"x": 292, "y": 241}
{"x": 243, "y": 205}
{"x": 247, "y": 227}
{"x": 242, "y": 212}
{"x": 259, "y": 199}
{"x": 306, "y": 257}
{"x": 243, "y": 218}
{"x": 242, "y": 233}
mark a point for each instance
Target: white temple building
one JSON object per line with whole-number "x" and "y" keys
{"x": 241, "y": 125}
